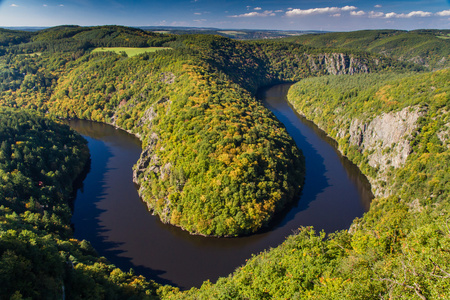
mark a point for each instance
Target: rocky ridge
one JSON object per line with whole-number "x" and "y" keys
{"x": 336, "y": 63}
{"x": 385, "y": 139}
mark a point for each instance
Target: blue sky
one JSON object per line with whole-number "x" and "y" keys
{"x": 337, "y": 15}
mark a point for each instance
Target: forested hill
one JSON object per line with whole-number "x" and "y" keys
{"x": 216, "y": 162}
{"x": 39, "y": 258}
{"x": 230, "y": 183}
{"x": 76, "y": 38}
{"x": 430, "y": 48}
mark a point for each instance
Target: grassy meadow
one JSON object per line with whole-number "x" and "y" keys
{"x": 130, "y": 51}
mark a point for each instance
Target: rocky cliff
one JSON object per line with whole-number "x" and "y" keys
{"x": 385, "y": 139}
{"x": 336, "y": 64}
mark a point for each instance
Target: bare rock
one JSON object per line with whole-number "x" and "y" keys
{"x": 336, "y": 64}
{"x": 168, "y": 77}
{"x": 386, "y": 137}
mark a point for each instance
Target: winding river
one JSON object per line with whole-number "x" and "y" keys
{"x": 109, "y": 213}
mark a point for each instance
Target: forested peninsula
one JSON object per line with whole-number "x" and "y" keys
{"x": 216, "y": 162}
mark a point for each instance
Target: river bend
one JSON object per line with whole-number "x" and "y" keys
{"x": 109, "y": 213}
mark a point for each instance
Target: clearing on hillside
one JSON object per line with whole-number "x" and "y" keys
{"x": 129, "y": 50}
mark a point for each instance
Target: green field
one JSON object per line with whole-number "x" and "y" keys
{"x": 129, "y": 50}
{"x": 232, "y": 32}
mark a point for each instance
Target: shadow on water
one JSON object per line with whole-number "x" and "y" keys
{"x": 324, "y": 167}
{"x": 315, "y": 180}
{"x": 352, "y": 171}
{"x": 109, "y": 213}
{"x": 89, "y": 208}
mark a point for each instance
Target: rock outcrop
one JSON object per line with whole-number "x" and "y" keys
{"x": 385, "y": 138}
{"x": 149, "y": 162}
{"x": 336, "y": 64}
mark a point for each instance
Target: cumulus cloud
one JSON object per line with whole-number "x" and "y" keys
{"x": 336, "y": 15}
{"x": 378, "y": 6}
{"x": 315, "y": 11}
{"x": 14, "y": 5}
{"x": 44, "y": 5}
{"x": 444, "y": 13}
{"x": 266, "y": 13}
{"x": 197, "y": 13}
{"x": 349, "y": 8}
{"x": 357, "y": 13}
{"x": 257, "y": 8}
{"x": 419, "y": 13}
{"x": 61, "y": 5}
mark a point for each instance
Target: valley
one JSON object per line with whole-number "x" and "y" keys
{"x": 216, "y": 162}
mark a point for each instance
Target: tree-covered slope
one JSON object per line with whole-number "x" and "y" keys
{"x": 425, "y": 47}
{"x": 400, "y": 248}
{"x": 77, "y": 39}
{"x": 39, "y": 160}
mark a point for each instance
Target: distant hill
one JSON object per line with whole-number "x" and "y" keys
{"x": 239, "y": 34}
{"x": 430, "y": 48}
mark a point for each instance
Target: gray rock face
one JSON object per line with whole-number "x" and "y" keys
{"x": 386, "y": 137}
{"x": 386, "y": 140}
{"x": 148, "y": 160}
{"x": 336, "y": 64}
{"x": 444, "y": 135}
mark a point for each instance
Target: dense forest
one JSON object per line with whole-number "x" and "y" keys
{"x": 216, "y": 162}
{"x": 425, "y": 47}
{"x": 39, "y": 259}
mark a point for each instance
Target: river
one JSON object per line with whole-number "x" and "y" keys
{"x": 109, "y": 213}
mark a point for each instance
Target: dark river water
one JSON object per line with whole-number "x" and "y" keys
{"x": 109, "y": 213}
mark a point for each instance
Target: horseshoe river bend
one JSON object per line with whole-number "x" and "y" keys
{"x": 109, "y": 213}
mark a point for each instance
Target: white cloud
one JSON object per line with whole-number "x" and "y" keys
{"x": 201, "y": 20}
{"x": 357, "y": 13}
{"x": 266, "y": 13}
{"x": 444, "y": 13}
{"x": 257, "y": 8}
{"x": 279, "y": 11}
{"x": 14, "y": 5}
{"x": 419, "y": 14}
{"x": 61, "y": 5}
{"x": 197, "y": 13}
{"x": 378, "y": 6}
{"x": 336, "y": 15}
{"x": 391, "y": 15}
{"x": 347, "y": 8}
{"x": 412, "y": 14}
{"x": 316, "y": 11}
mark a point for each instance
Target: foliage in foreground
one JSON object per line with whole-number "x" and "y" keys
{"x": 39, "y": 160}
